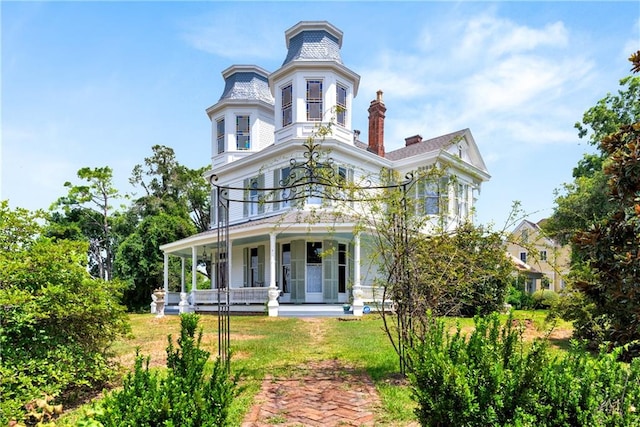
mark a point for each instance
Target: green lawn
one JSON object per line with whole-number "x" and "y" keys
{"x": 277, "y": 346}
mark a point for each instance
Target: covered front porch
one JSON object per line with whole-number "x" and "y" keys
{"x": 271, "y": 262}
{"x": 254, "y": 300}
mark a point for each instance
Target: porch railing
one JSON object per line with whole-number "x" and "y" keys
{"x": 236, "y": 296}
{"x": 374, "y": 295}
{"x": 173, "y": 298}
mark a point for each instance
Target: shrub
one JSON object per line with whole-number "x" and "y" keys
{"x": 588, "y": 324}
{"x": 519, "y": 298}
{"x": 492, "y": 379}
{"x": 544, "y": 298}
{"x": 185, "y": 397}
{"x": 56, "y": 322}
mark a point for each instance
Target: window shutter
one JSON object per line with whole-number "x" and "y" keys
{"x": 351, "y": 273}
{"x": 298, "y": 264}
{"x": 213, "y": 201}
{"x": 278, "y": 264}
{"x": 261, "y": 194}
{"x": 245, "y": 267}
{"x": 276, "y": 193}
{"x": 245, "y": 197}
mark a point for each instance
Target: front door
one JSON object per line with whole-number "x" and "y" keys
{"x": 314, "y": 272}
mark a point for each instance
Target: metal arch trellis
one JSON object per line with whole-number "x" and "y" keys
{"x": 311, "y": 177}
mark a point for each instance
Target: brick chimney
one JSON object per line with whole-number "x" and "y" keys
{"x": 413, "y": 140}
{"x": 376, "y": 125}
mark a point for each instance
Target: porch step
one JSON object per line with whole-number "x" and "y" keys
{"x": 312, "y": 310}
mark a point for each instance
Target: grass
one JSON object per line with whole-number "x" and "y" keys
{"x": 281, "y": 346}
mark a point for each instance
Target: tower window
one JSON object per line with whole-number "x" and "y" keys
{"x": 287, "y": 111}
{"x": 243, "y": 139}
{"x": 314, "y": 100}
{"x": 220, "y": 135}
{"x": 341, "y": 102}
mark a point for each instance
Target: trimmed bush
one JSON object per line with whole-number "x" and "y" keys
{"x": 492, "y": 379}
{"x": 186, "y": 397}
{"x": 544, "y": 298}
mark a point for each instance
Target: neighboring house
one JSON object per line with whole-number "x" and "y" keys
{"x": 540, "y": 254}
{"x": 530, "y": 276}
{"x": 258, "y": 126}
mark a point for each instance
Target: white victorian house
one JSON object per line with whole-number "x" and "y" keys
{"x": 258, "y": 126}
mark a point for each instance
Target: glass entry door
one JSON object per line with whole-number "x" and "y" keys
{"x": 314, "y": 272}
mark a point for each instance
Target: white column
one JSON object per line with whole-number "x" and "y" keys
{"x": 183, "y": 305}
{"x": 194, "y": 267}
{"x": 358, "y": 303}
{"x": 273, "y": 293}
{"x": 214, "y": 268}
{"x": 182, "y": 275}
{"x": 166, "y": 272}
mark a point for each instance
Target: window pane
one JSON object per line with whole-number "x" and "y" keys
{"x": 287, "y": 116}
{"x": 287, "y": 113}
{"x": 286, "y": 95}
{"x": 220, "y": 135}
{"x": 314, "y": 90}
{"x": 243, "y": 143}
{"x": 243, "y": 124}
{"x": 314, "y": 111}
{"x": 341, "y": 96}
{"x": 314, "y": 249}
{"x": 314, "y": 100}
{"x": 243, "y": 140}
{"x": 342, "y": 279}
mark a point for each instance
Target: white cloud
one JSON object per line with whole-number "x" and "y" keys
{"x": 487, "y": 35}
{"x": 225, "y": 37}
{"x": 492, "y": 75}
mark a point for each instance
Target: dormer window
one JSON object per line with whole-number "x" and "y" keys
{"x": 341, "y": 102}
{"x": 243, "y": 139}
{"x": 314, "y": 100}
{"x": 220, "y": 135}
{"x": 287, "y": 110}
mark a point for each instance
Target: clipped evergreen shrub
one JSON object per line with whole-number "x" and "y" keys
{"x": 492, "y": 378}
{"x": 185, "y": 397}
{"x": 544, "y": 298}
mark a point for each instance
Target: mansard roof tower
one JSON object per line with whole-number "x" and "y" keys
{"x": 313, "y": 71}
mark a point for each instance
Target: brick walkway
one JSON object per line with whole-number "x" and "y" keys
{"x": 319, "y": 394}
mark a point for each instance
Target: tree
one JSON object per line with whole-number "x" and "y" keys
{"x": 168, "y": 185}
{"x": 139, "y": 261}
{"x": 605, "y": 272}
{"x": 424, "y": 266}
{"x": 175, "y": 204}
{"x": 87, "y": 215}
{"x": 585, "y": 202}
{"x": 612, "y": 246}
{"x": 57, "y": 321}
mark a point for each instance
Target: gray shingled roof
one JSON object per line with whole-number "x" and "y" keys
{"x": 247, "y": 85}
{"x": 425, "y": 146}
{"x": 313, "y": 45}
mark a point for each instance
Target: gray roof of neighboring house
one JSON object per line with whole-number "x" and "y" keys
{"x": 247, "y": 86}
{"x": 425, "y": 146}
{"x": 314, "y": 45}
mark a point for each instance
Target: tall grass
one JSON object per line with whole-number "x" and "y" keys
{"x": 278, "y": 346}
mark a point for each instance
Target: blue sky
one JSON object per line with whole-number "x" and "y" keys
{"x": 98, "y": 83}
